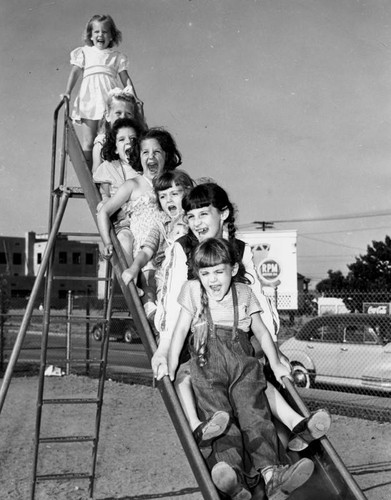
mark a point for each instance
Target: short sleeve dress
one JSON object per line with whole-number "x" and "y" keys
{"x": 100, "y": 75}
{"x": 143, "y": 214}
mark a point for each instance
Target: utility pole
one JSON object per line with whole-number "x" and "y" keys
{"x": 264, "y": 225}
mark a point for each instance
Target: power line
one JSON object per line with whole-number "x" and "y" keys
{"x": 380, "y": 213}
{"x": 331, "y": 243}
{"x": 348, "y": 230}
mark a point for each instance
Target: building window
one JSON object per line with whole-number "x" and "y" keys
{"x": 62, "y": 257}
{"x": 17, "y": 259}
{"x": 89, "y": 259}
{"x": 39, "y": 258}
{"x": 3, "y": 258}
{"x": 76, "y": 258}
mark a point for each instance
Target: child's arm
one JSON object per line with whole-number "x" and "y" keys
{"x": 73, "y": 77}
{"x": 180, "y": 333}
{"x": 107, "y": 210}
{"x": 127, "y": 82}
{"x": 263, "y": 336}
{"x": 96, "y": 156}
{"x": 141, "y": 259}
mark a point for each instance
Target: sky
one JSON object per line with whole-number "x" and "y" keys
{"x": 286, "y": 103}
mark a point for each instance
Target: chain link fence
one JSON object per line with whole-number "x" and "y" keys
{"x": 339, "y": 346}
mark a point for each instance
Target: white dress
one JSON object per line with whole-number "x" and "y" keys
{"x": 100, "y": 75}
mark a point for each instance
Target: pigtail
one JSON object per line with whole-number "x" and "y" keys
{"x": 231, "y": 229}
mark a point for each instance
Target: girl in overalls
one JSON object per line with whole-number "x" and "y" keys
{"x": 219, "y": 309}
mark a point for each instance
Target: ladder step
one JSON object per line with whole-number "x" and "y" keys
{"x": 66, "y": 439}
{"x": 68, "y": 475}
{"x": 75, "y": 192}
{"x": 70, "y": 401}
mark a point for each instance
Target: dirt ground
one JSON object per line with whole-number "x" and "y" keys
{"x": 139, "y": 455}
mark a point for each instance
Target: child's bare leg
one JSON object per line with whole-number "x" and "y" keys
{"x": 89, "y": 129}
{"x": 303, "y": 430}
{"x": 280, "y": 408}
{"x": 147, "y": 283}
{"x": 125, "y": 237}
{"x": 186, "y": 396}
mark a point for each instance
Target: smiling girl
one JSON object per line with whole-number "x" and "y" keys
{"x": 102, "y": 69}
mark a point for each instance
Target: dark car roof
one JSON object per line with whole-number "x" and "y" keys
{"x": 344, "y": 320}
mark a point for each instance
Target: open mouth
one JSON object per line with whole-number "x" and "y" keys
{"x": 153, "y": 168}
{"x": 172, "y": 209}
{"x": 202, "y": 232}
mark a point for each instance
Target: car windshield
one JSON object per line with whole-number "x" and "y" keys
{"x": 356, "y": 329}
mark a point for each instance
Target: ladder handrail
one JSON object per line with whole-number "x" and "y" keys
{"x": 30, "y": 307}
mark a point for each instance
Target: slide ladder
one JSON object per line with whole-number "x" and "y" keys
{"x": 331, "y": 480}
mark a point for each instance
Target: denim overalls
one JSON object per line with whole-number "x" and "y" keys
{"x": 232, "y": 380}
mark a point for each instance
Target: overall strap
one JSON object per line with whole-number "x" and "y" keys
{"x": 236, "y": 313}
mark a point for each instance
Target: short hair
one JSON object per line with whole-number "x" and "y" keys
{"x": 116, "y": 35}
{"x": 123, "y": 96}
{"x": 177, "y": 177}
{"x": 214, "y": 251}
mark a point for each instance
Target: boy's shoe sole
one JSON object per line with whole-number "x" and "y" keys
{"x": 211, "y": 429}
{"x": 292, "y": 477}
{"x": 226, "y": 480}
{"x": 315, "y": 427}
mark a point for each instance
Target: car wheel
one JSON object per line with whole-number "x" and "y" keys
{"x": 97, "y": 333}
{"x": 301, "y": 376}
{"x": 128, "y": 336}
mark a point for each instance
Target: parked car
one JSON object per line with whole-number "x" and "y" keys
{"x": 122, "y": 329}
{"x": 351, "y": 350}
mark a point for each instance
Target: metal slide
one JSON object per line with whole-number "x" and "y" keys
{"x": 330, "y": 481}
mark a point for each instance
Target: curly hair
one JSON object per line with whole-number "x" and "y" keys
{"x": 167, "y": 143}
{"x": 109, "y": 147}
{"x": 134, "y": 109}
{"x": 210, "y": 193}
{"x": 116, "y": 35}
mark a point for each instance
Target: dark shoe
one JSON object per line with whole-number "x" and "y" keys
{"x": 313, "y": 427}
{"x": 212, "y": 428}
{"x": 227, "y": 481}
{"x": 286, "y": 479}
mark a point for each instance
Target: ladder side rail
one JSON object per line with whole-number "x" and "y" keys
{"x": 64, "y": 142}
{"x": 132, "y": 300}
{"x": 30, "y": 305}
{"x": 53, "y": 161}
{"x": 109, "y": 292}
{"x": 54, "y": 226}
{"x": 354, "y": 489}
